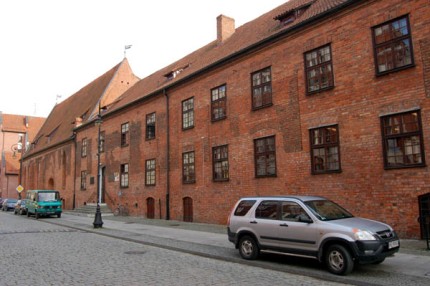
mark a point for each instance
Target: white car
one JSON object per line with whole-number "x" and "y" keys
{"x": 308, "y": 226}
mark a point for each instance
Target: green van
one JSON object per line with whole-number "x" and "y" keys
{"x": 43, "y": 203}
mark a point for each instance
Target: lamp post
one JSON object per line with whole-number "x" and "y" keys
{"x": 17, "y": 148}
{"x": 98, "y": 222}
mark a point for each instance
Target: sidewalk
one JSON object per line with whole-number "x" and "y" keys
{"x": 407, "y": 246}
{"x": 208, "y": 240}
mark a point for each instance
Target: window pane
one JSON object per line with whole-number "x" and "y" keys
{"x": 325, "y": 149}
{"x": 265, "y": 157}
{"x": 267, "y": 210}
{"x": 402, "y": 54}
{"x": 220, "y": 163}
{"x": 402, "y": 136}
{"x": 262, "y": 88}
{"x": 393, "y": 45}
{"x": 319, "y": 72}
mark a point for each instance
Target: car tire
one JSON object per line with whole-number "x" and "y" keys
{"x": 59, "y": 215}
{"x": 339, "y": 260}
{"x": 248, "y": 248}
{"x": 28, "y": 214}
{"x": 36, "y": 214}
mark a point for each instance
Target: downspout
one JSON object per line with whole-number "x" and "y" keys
{"x": 167, "y": 157}
{"x": 74, "y": 172}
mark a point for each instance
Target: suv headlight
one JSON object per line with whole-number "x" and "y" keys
{"x": 363, "y": 234}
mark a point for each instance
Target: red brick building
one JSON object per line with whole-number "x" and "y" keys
{"x": 16, "y": 133}
{"x": 51, "y": 162}
{"x": 316, "y": 97}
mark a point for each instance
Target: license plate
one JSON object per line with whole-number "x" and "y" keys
{"x": 393, "y": 244}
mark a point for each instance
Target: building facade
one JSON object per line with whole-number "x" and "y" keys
{"x": 316, "y": 97}
{"x": 17, "y": 131}
{"x": 50, "y": 162}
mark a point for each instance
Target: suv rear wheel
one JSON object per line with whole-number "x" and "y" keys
{"x": 248, "y": 248}
{"x": 339, "y": 260}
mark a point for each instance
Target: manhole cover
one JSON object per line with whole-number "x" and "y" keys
{"x": 135, "y": 252}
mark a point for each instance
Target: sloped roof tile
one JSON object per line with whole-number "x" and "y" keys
{"x": 245, "y": 36}
{"x": 61, "y": 121}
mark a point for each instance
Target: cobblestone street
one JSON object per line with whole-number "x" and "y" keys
{"x": 37, "y": 253}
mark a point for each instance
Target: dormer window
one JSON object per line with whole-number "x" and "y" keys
{"x": 51, "y": 135}
{"x": 291, "y": 15}
{"x": 172, "y": 74}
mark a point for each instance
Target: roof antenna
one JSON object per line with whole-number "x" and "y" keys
{"x": 126, "y": 47}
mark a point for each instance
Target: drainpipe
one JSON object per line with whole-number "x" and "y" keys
{"x": 167, "y": 156}
{"x": 74, "y": 172}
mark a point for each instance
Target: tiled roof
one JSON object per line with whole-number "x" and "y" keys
{"x": 22, "y": 124}
{"x": 61, "y": 121}
{"x": 244, "y": 37}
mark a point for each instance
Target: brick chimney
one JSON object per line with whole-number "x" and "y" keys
{"x": 225, "y": 28}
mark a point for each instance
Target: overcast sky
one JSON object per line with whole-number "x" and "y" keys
{"x": 50, "y": 49}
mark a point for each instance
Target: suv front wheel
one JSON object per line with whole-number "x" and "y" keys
{"x": 248, "y": 248}
{"x": 339, "y": 260}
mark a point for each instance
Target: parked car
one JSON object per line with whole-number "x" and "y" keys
{"x": 20, "y": 207}
{"x": 43, "y": 203}
{"x": 1, "y": 202}
{"x": 312, "y": 227}
{"x": 9, "y": 204}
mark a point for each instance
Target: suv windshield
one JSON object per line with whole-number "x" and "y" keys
{"x": 327, "y": 210}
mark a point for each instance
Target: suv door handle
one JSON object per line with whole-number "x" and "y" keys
{"x": 284, "y": 224}
{"x": 253, "y": 221}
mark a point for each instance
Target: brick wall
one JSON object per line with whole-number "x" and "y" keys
{"x": 355, "y": 104}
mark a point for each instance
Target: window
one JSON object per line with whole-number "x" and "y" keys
{"x": 267, "y": 210}
{"x": 102, "y": 142}
{"x": 150, "y": 172}
{"x": 262, "y": 88}
{"x": 291, "y": 211}
{"x": 150, "y": 126}
{"x": 83, "y": 180}
{"x": 84, "y": 147}
{"x": 325, "y": 157}
{"x": 220, "y": 163}
{"x": 290, "y": 16}
{"x": 125, "y": 134}
{"x": 402, "y": 137}
{"x": 319, "y": 70}
{"x": 188, "y": 113}
{"x": 243, "y": 207}
{"x": 124, "y": 176}
{"x": 265, "y": 157}
{"x": 219, "y": 103}
{"x": 393, "y": 46}
{"x": 188, "y": 168}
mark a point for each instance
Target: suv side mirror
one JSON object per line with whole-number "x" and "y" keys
{"x": 305, "y": 218}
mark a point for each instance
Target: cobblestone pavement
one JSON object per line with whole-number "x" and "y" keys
{"x": 34, "y": 252}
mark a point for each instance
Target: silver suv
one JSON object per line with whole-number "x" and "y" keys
{"x": 311, "y": 227}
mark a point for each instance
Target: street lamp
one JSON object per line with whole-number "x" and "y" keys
{"x": 16, "y": 148}
{"x": 98, "y": 222}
